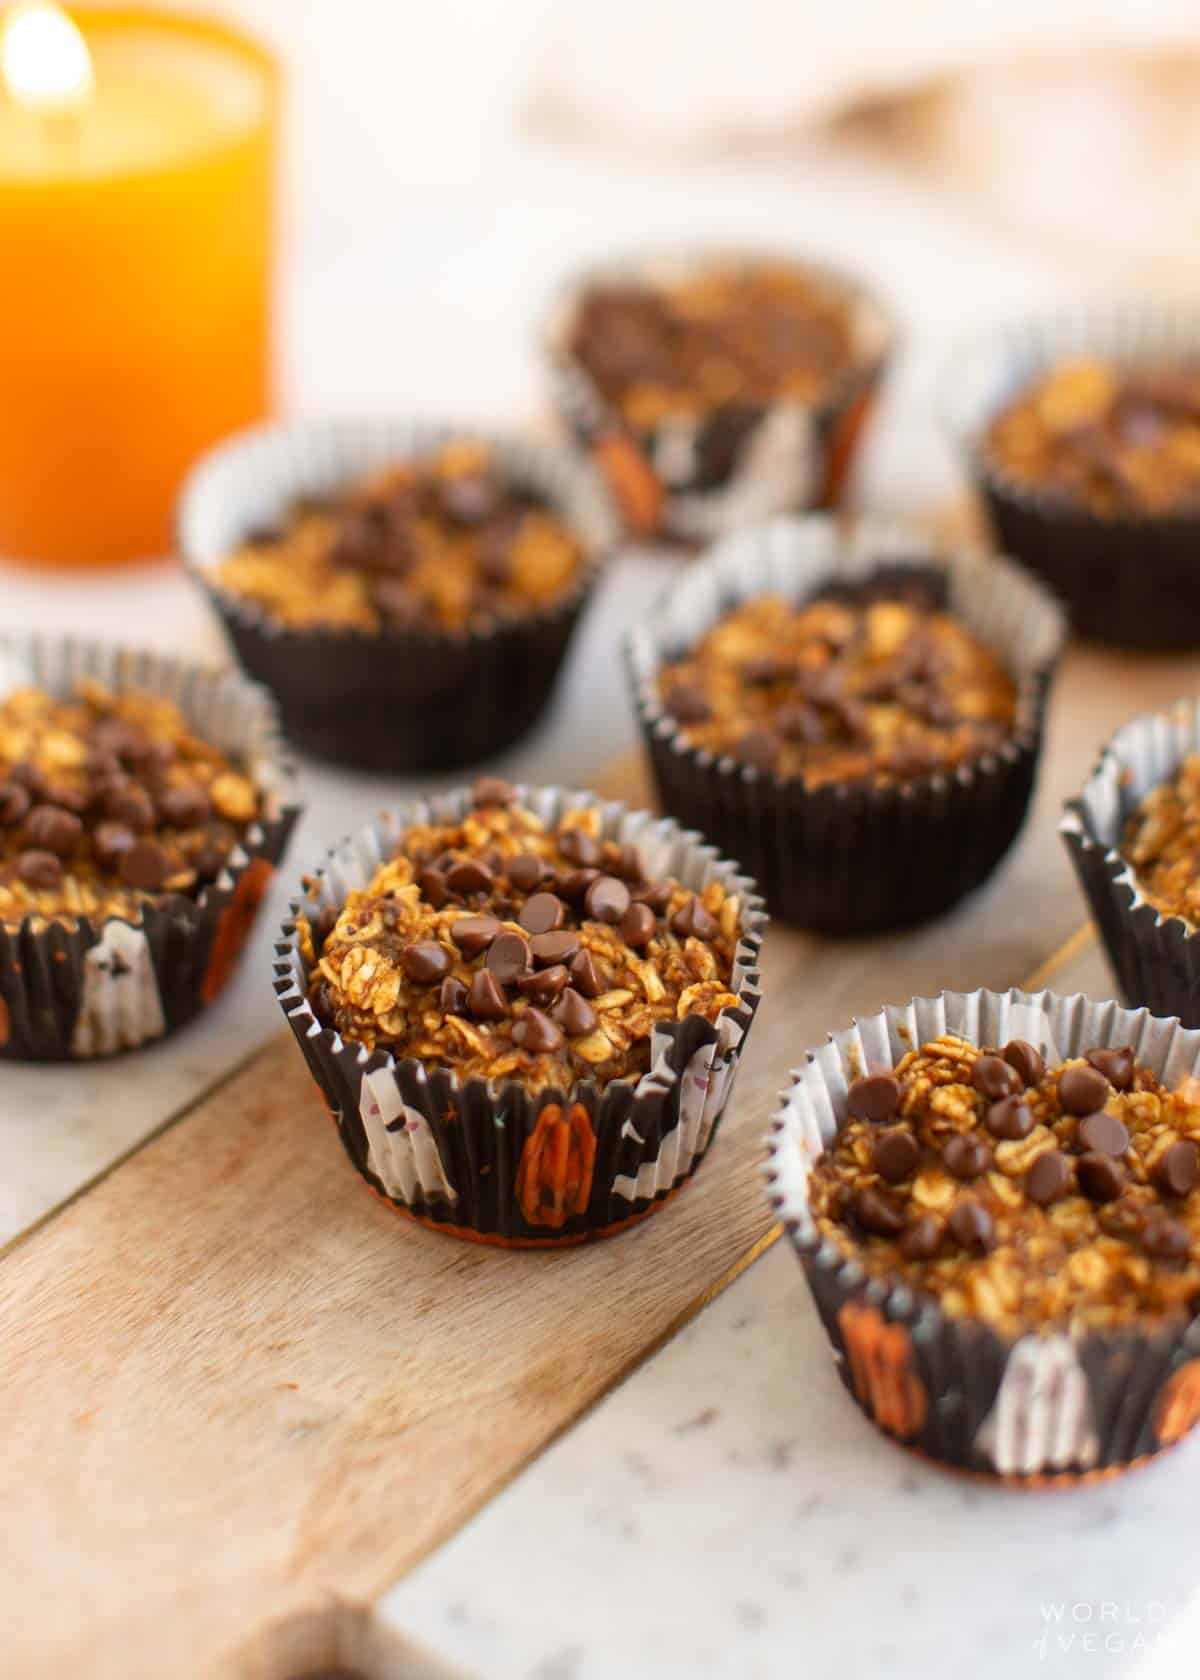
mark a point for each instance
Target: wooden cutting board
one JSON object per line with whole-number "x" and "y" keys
{"x": 243, "y": 1396}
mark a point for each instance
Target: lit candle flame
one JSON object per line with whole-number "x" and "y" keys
{"x": 44, "y": 59}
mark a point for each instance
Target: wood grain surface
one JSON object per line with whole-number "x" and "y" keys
{"x": 242, "y": 1393}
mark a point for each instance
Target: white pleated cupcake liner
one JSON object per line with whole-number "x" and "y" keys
{"x": 456, "y": 1152}
{"x": 1128, "y": 580}
{"x": 850, "y": 858}
{"x": 1036, "y": 1407}
{"x": 785, "y": 457}
{"x": 72, "y": 988}
{"x": 1156, "y": 958}
{"x": 393, "y": 699}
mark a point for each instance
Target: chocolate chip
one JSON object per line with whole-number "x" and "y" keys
{"x": 972, "y": 1227}
{"x": 131, "y": 805}
{"x": 895, "y": 1154}
{"x": 655, "y": 894}
{"x": 185, "y": 806}
{"x": 396, "y": 602}
{"x": 759, "y": 747}
{"x": 492, "y": 790}
{"x": 550, "y": 948}
{"x": 693, "y": 921}
{"x": 432, "y": 883}
{"x": 993, "y": 1078}
{"x": 542, "y": 913}
{"x": 762, "y": 670}
{"x": 469, "y": 498}
{"x": 453, "y": 996}
{"x": 469, "y": 875}
{"x": 966, "y": 1155}
{"x": 145, "y": 866}
{"x": 1117, "y": 1066}
{"x": 628, "y": 864}
{"x": 1100, "y": 1177}
{"x": 323, "y": 924}
{"x": 526, "y": 872}
{"x": 14, "y": 803}
{"x": 51, "y": 829}
{"x": 574, "y": 1015}
{"x": 585, "y": 976}
{"x": 573, "y": 885}
{"x": 109, "y": 841}
{"x": 425, "y": 961}
{"x": 1010, "y": 1118}
{"x": 115, "y": 737}
{"x": 1166, "y": 1239}
{"x": 1082, "y": 1090}
{"x": 876, "y": 1096}
{"x": 487, "y": 1001}
{"x": 876, "y": 1211}
{"x": 688, "y": 704}
{"x": 508, "y": 957}
{"x": 579, "y": 848}
{"x": 1178, "y": 1168}
{"x": 537, "y": 1034}
{"x": 607, "y": 899}
{"x": 638, "y": 926}
{"x": 39, "y": 869}
{"x": 799, "y": 722}
{"x": 473, "y": 934}
{"x": 1049, "y": 1178}
{"x": 923, "y": 1238}
{"x": 1103, "y": 1134}
{"x": 543, "y": 985}
{"x": 1028, "y": 1063}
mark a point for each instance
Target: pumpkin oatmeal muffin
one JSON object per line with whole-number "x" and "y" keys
{"x": 1003, "y": 1232}
{"x": 1082, "y": 436}
{"x": 718, "y": 387}
{"x": 579, "y": 976}
{"x": 143, "y": 808}
{"x": 407, "y": 593}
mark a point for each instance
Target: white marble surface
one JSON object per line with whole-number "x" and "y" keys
{"x": 729, "y": 1512}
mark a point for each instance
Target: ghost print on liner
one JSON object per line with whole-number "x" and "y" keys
{"x": 402, "y": 1151}
{"x": 1042, "y": 1415}
{"x": 119, "y": 1006}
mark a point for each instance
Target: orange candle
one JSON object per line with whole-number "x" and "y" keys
{"x": 136, "y": 199}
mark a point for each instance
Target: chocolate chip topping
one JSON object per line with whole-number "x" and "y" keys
{"x": 607, "y": 899}
{"x": 574, "y": 1014}
{"x": 145, "y": 865}
{"x": 425, "y": 962}
{"x": 543, "y": 913}
{"x": 1115, "y": 1065}
{"x": 537, "y": 1034}
{"x": 1178, "y": 1168}
{"x": 1049, "y": 1178}
{"x": 923, "y": 1238}
{"x": 109, "y": 841}
{"x": 51, "y": 829}
{"x": 688, "y": 704}
{"x": 548, "y": 948}
{"x": 1103, "y": 1134}
{"x": 453, "y": 996}
{"x": 39, "y": 869}
{"x": 131, "y": 806}
{"x": 581, "y": 849}
{"x": 1100, "y": 1177}
{"x": 526, "y": 872}
{"x": 14, "y": 804}
{"x": 492, "y": 790}
{"x": 693, "y": 921}
{"x": 1025, "y": 1060}
{"x": 638, "y": 926}
{"x": 972, "y": 1226}
{"x": 1164, "y": 1238}
{"x": 488, "y": 1002}
{"x": 759, "y": 747}
{"x": 543, "y": 985}
{"x": 432, "y": 883}
{"x": 473, "y": 934}
{"x": 994, "y": 1078}
{"x": 895, "y": 1155}
{"x": 585, "y": 976}
{"x": 1081, "y": 1090}
{"x": 878, "y": 1212}
{"x": 508, "y": 957}
{"x": 572, "y": 884}
{"x": 966, "y": 1155}
{"x": 187, "y": 806}
{"x": 1009, "y": 1118}
{"x": 874, "y": 1096}
{"x": 469, "y": 876}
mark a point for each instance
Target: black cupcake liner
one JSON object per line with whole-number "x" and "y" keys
{"x": 466, "y": 1156}
{"x": 1156, "y": 958}
{"x": 690, "y": 480}
{"x": 394, "y": 699}
{"x": 851, "y": 858}
{"x": 72, "y": 989}
{"x": 1030, "y": 1409}
{"x": 1128, "y": 580}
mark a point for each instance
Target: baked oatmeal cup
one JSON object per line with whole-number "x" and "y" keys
{"x": 717, "y": 387}
{"x": 1082, "y": 437}
{"x": 408, "y": 593}
{"x": 524, "y": 1007}
{"x": 996, "y": 1201}
{"x": 1133, "y": 835}
{"x": 144, "y": 807}
{"x": 859, "y": 717}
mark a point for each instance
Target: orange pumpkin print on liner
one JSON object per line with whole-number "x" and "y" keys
{"x": 554, "y": 1178}
{"x": 881, "y": 1372}
{"x": 237, "y": 919}
{"x": 1178, "y": 1408}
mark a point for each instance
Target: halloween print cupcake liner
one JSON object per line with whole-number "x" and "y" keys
{"x": 690, "y": 480}
{"x": 72, "y": 988}
{"x": 394, "y": 699}
{"x": 852, "y": 857}
{"x": 497, "y": 1163}
{"x": 1128, "y": 580}
{"x": 1156, "y": 958}
{"x": 1030, "y": 1410}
